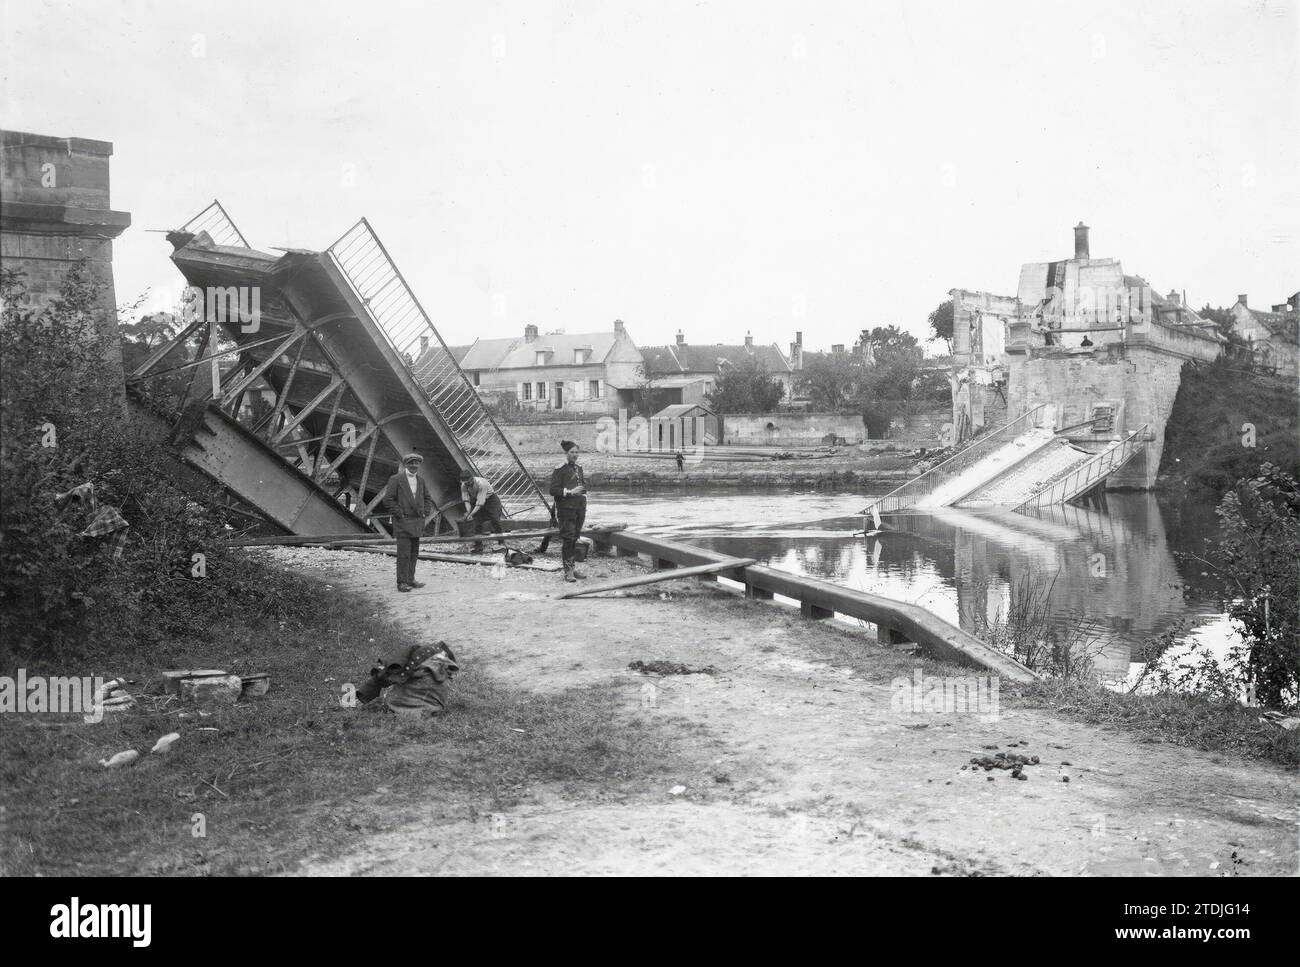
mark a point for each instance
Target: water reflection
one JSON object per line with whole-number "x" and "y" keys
{"x": 1117, "y": 569}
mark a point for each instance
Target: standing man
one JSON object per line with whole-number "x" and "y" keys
{"x": 569, "y": 488}
{"x": 482, "y": 505}
{"x": 681, "y": 462}
{"x": 407, "y": 498}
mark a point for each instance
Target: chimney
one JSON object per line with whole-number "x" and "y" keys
{"x": 530, "y": 333}
{"x": 1081, "y": 241}
{"x": 1242, "y": 299}
{"x": 1174, "y": 297}
{"x": 618, "y": 325}
{"x": 749, "y": 341}
{"x": 681, "y": 340}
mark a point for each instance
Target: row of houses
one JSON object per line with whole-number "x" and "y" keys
{"x": 602, "y": 372}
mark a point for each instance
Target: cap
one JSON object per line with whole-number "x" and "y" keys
{"x": 412, "y": 456}
{"x": 567, "y": 445}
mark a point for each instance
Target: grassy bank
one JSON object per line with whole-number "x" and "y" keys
{"x": 1207, "y": 450}
{"x": 1193, "y": 721}
{"x": 291, "y": 774}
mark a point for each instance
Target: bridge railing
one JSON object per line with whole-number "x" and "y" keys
{"x": 365, "y": 263}
{"x": 1090, "y": 473}
{"x": 919, "y": 487}
{"x": 219, "y": 226}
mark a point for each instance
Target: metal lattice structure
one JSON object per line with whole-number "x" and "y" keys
{"x": 301, "y": 396}
{"x": 218, "y": 225}
{"x": 366, "y": 264}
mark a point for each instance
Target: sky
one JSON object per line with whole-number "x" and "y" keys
{"x": 718, "y": 168}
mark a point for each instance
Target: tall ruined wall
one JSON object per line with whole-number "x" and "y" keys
{"x": 56, "y": 211}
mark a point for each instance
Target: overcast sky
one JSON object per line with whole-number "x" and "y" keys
{"x": 714, "y": 167}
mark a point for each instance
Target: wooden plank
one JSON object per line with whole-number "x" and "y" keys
{"x": 671, "y": 574}
{"x": 298, "y": 540}
{"x": 493, "y": 561}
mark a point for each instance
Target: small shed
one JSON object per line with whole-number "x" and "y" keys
{"x": 684, "y": 425}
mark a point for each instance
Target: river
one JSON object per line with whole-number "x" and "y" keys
{"x": 1123, "y": 571}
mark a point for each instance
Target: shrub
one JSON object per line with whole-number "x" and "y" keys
{"x": 61, "y": 425}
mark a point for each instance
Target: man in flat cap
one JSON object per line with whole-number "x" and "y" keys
{"x": 482, "y": 505}
{"x": 407, "y": 498}
{"x": 569, "y": 488}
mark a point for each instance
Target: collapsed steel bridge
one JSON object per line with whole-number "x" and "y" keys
{"x": 337, "y": 374}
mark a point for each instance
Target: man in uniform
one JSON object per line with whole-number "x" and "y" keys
{"x": 482, "y": 505}
{"x": 407, "y": 498}
{"x": 569, "y": 488}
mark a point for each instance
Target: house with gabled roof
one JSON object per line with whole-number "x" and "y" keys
{"x": 704, "y": 363}
{"x": 1274, "y": 337}
{"x": 592, "y": 372}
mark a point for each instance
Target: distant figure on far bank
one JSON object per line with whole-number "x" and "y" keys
{"x": 569, "y": 488}
{"x": 681, "y": 462}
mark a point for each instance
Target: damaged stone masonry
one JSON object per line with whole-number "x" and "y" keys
{"x": 1079, "y": 369}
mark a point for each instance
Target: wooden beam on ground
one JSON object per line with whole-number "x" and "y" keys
{"x": 493, "y": 561}
{"x": 302, "y": 540}
{"x": 667, "y": 575}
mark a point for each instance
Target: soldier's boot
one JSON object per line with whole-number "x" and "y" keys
{"x": 568, "y": 572}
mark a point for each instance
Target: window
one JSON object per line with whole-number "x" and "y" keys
{"x": 528, "y": 391}
{"x": 541, "y": 357}
{"x": 541, "y": 391}
{"x": 580, "y": 356}
{"x": 593, "y": 389}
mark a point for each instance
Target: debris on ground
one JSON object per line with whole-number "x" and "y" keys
{"x": 212, "y": 690}
{"x": 416, "y": 682}
{"x": 253, "y": 685}
{"x": 164, "y": 744}
{"x": 662, "y": 666}
{"x": 1005, "y": 760}
{"x": 120, "y": 759}
{"x": 1277, "y": 718}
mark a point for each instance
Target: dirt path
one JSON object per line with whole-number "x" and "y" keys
{"x": 811, "y": 769}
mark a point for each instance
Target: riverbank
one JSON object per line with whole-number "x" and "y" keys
{"x": 791, "y": 751}
{"x": 870, "y": 472}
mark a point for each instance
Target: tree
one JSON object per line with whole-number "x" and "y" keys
{"x": 890, "y": 339}
{"x": 830, "y": 381}
{"x": 891, "y": 386}
{"x": 1261, "y": 557}
{"x": 745, "y": 387}
{"x": 648, "y": 398}
{"x": 941, "y": 322}
{"x": 1222, "y": 318}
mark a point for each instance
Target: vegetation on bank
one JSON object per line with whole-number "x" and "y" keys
{"x": 67, "y": 593}
{"x": 1226, "y": 423}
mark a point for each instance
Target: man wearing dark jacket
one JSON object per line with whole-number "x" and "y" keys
{"x": 569, "y": 488}
{"x": 407, "y": 498}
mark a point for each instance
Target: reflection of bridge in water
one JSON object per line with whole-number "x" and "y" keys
{"x": 1113, "y": 570}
